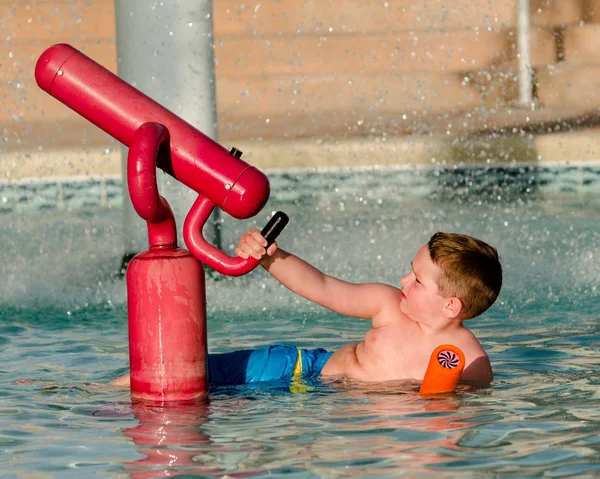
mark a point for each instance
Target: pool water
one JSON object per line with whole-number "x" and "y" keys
{"x": 63, "y": 325}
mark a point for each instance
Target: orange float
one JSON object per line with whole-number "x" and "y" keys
{"x": 443, "y": 373}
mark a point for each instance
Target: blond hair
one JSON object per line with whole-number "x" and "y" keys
{"x": 470, "y": 271}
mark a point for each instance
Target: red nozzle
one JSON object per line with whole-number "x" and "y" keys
{"x": 248, "y": 195}
{"x": 50, "y": 63}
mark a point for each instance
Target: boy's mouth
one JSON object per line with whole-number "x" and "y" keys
{"x": 402, "y": 295}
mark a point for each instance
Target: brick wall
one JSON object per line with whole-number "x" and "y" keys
{"x": 329, "y": 68}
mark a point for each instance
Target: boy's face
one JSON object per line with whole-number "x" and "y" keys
{"x": 420, "y": 298}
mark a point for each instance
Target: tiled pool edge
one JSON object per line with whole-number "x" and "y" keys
{"x": 106, "y": 192}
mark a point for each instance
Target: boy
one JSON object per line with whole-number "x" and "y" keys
{"x": 453, "y": 278}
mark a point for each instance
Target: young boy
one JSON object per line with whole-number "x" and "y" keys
{"x": 453, "y": 278}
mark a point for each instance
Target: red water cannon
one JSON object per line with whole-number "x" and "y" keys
{"x": 219, "y": 176}
{"x": 120, "y": 109}
{"x": 165, "y": 284}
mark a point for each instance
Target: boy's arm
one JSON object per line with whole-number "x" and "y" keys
{"x": 479, "y": 373}
{"x": 357, "y": 300}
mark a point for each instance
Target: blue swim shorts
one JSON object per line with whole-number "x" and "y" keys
{"x": 281, "y": 362}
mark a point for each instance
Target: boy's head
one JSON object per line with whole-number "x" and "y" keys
{"x": 469, "y": 270}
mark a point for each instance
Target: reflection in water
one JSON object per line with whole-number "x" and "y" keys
{"x": 389, "y": 433}
{"x": 168, "y": 436}
{"x": 352, "y": 430}
{"x": 171, "y": 438}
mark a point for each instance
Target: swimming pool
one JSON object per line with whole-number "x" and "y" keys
{"x": 63, "y": 324}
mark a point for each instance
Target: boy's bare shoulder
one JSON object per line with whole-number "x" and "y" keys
{"x": 478, "y": 369}
{"x": 478, "y": 372}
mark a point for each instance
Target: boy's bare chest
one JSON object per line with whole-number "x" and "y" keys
{"x": 401, "y": 349}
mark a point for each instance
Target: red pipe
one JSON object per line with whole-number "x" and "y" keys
{"x": 150, "y": 141}
{"x": 120, "y": 110}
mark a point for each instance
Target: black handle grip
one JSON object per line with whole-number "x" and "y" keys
{"x": 274, "y": 227}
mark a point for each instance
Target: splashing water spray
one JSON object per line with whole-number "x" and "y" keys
{"x": 166, "y": 297}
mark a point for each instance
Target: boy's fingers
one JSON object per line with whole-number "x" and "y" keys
{"x": 245, "y": 250}
{"x": 251, "y": 244}
{"x": 251, "y": 249}
{"x": 241, "y": 253}
{"x": 255, "y": 244}
{"x": 258, "y": 237}
{"x": 254, "y": 248}
{"x": 272, "y": 249}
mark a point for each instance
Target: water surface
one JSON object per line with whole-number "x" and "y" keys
{"x": 63, "y": 324}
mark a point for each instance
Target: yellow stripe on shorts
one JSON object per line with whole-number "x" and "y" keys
{"x": 297, "y": 373}
{"x": 298, "y": 385}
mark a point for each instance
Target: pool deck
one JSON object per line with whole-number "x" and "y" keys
{"x": 575, "y": 147}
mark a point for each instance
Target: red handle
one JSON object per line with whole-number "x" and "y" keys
{"x": 204, "y": 251}
{"x": 215, "y": 258}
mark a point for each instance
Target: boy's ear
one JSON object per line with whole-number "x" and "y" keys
{"x": 452, "y": 308}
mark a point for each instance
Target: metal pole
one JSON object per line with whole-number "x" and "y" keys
{"x": 165, "y": 49}
{"x": 524, "y": 46}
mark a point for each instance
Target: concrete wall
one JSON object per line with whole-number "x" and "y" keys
{"x": 364, "y": 81}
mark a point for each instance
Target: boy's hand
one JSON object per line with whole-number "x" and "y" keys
{"x": 252, "y": 244}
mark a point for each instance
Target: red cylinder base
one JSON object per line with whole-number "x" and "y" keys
{"x": 166, "y": 302}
